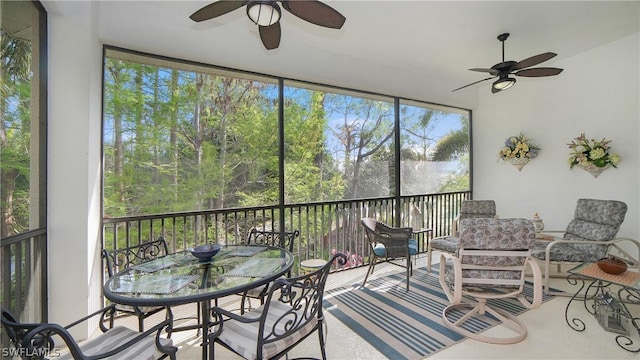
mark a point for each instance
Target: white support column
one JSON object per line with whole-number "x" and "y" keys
{"x": 74, "y": 170}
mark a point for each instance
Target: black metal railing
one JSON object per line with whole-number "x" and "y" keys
{"x": 23, "y": 272}
{"x": 325, "y": 227}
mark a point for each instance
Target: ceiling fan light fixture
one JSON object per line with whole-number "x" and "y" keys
{"x": 263, "y": 13}
{"x": 504, "y": 83}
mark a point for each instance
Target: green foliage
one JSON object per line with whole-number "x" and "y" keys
{"x": 15, "y": 134}
{"x": 453, "y": 145}
{"x": 181, "y": 141}
{"x": 456, "y": 183}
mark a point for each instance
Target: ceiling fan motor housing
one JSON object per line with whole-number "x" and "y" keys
{"x": 504, "y": 66}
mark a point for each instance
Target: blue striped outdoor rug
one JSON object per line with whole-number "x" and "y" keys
{"x": 401, "y": 324}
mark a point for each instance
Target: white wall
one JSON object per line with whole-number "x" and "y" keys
{"x": 598, "y": 94}
{"x": 75, "y": 88}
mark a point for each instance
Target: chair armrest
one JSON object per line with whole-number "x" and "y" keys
{"x": 537, "y": 284}
{"x": 421, "y": 231}
{"x": 102, "y": 312}
{"x": 558, "y": 240}
{"x": 220, "y": 313}
{"x": 393, "y": 231}
{"x": 626, "y": 256}
{"x": 454, "y": 295}
{"x": 550, "y": 233}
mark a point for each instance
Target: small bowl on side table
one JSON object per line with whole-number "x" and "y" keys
{"x": 612, "y": 265}
{"x": 204, "y": 253}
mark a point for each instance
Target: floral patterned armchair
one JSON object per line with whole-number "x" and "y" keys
{"x": 590, "y": 235}
{"x": 490, "y": 263}
{"x": 469, "y": 209}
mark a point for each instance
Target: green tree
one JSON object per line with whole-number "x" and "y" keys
{"x": 15, "y": 133}
{"x": 454, "y": 144}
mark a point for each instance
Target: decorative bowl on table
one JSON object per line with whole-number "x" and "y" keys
{"x": 612, "y": 265}
{"x": 205, "y": 252}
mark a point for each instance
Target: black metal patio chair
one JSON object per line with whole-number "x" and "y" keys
{"x": 119, "y": 259}
{"x": 283, "y": 240}
{"x": 38, "y": 340}
{"x": 292, "y": 311}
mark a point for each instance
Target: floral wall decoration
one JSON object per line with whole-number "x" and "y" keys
{"x": 591, "y": 155}
{"x": 518, "y": 150}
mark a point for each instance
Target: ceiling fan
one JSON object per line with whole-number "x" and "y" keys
{"x": 266, "y": 14}
{"x": 505, "y": 68}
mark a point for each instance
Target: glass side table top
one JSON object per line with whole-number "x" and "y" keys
{"x": 629, "y": 279}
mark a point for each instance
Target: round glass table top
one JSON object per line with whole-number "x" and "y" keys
{"x": 182, "y": 278}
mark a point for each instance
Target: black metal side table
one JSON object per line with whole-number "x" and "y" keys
{"x": 606, "y": 292}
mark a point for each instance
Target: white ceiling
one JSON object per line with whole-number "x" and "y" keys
{"x": 415, "y": 49}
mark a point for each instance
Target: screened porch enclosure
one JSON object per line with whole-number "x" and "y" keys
{"x": 200, "y": 154}
{"x": 181, "y": 137}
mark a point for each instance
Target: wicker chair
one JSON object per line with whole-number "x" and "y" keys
{"x": 469, "y": 209}
{"x": 37, "y": 341}
{"x": 291, "y": 312}
{"x": 492, "y": 255}
{"x": 389, "y": 244}
{"x": 590, "y": 235}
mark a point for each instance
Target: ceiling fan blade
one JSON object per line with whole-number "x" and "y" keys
{"x": 538, "y": 72}
{"x": 534, "y": 60}
{"x": 490, "y": 71}
{"x": 216, "y": 9}
{"x": 315, "y": 12}
{"x": 270, "y": 36}
{"x": 473, "y": 83}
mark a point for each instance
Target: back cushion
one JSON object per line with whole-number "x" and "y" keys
{"x": 497, "y": 234}
{"x": 471, "y": 209}
{"x": 596, "y": 219}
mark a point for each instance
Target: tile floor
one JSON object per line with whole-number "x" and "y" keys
{"x": 549, "y": 335}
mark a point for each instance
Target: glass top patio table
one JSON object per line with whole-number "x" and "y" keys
{"x": 181, "y": 278}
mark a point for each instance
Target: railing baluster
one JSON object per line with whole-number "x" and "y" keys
{"x": 23, "y": 274}
{"x": 324, "y": 226}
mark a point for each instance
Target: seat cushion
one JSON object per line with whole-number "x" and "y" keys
{"x": 380, "y": 250}
{"x": 256, "y": 292}
{"x": 446, "y": 244}
{"x": 243, "y": 337}
{"x": 489, "y": 275}
{"x": 569, "y": 252}
{"x": 144, "y": 349}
